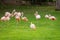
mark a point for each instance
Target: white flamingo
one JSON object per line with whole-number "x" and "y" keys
{"x": 32, "y": 26}
{"x": 52, "y": 18}
{"x": 4, "y": 18}
{"x": 46, "y": 16}
{"x": 7, "y": 14}
{"x": 17, "y": 18}
{"x": 37, "y": 15}
{"x": 24, "y": 18}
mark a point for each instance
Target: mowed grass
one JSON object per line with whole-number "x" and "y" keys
{"x": 45, "y": 29}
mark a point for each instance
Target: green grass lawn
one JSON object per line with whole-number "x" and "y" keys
{"x": 46, "y": 29}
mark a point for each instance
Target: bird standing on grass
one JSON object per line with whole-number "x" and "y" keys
{"x": 8, "y": 14}
{"x": 46, "y": 16}
{"x": 4, "y": 18}
{"x": 24, "y": 18}
{"x": 17, "y": 16}
{"x": 37, "y": 15}
{"x": 52, "y": 18}
{"x": 32, "y": 26}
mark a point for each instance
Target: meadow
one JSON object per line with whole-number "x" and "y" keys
{"x": 45, "y": 29}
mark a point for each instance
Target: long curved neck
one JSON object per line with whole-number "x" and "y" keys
{"x": 49, "y": 15}
{"x": 13, "y": 11}
{"x": 22, "y": 14}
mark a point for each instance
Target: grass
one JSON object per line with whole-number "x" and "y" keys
{"x": 46, "y": 29}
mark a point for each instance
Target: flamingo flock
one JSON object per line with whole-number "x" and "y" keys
{"x": 20, "y": 16}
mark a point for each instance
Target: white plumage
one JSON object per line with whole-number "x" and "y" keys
{"x": 52, "y": 18}
{"x": 17, "y": 14}
{"x": 7, "y": 14}
{"x": 23, "y": 17}
{"x": 49, "y": 15}
{"x": 46, "y": 16}
{"x": 13, "y": 11}
{"x": 32, "y": 26}
{"x": 5, "y": 18}
{"x": 37, "y": 15}
{"x": 17, "y": 17}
